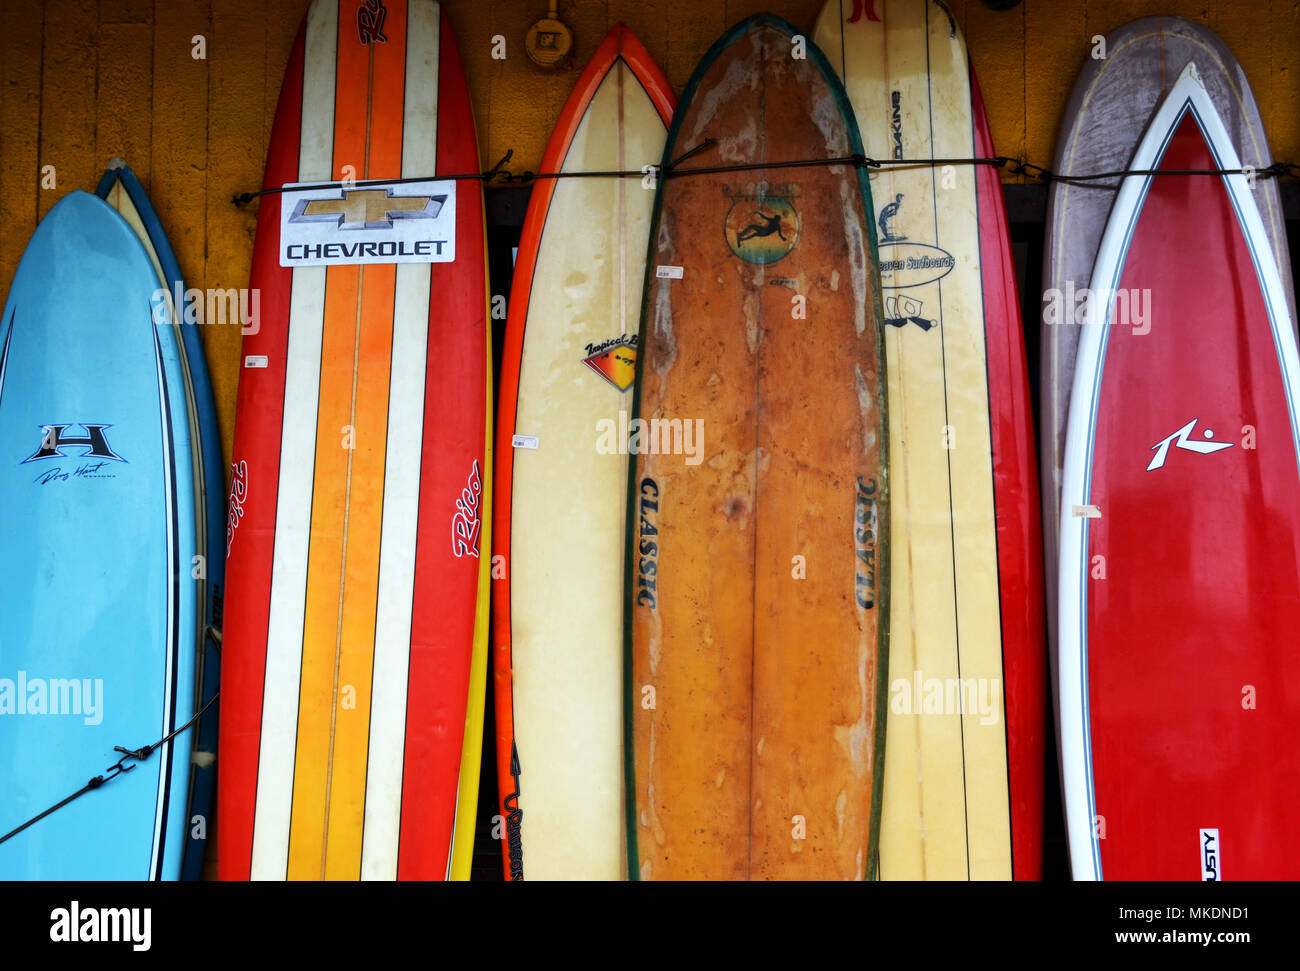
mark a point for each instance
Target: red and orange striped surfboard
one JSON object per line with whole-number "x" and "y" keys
{"x": 356, "y": 613}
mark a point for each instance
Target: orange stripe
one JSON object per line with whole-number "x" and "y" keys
{"x": 324, "y": 567}
{"x": 361, "y": 574}
{"x": 373, "y": 338}
{"x": 319, "y": 693}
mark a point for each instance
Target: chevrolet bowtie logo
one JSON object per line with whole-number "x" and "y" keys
{"x": 368, "y": 209}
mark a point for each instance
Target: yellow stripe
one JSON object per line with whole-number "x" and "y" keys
{"x": 471, "y": 755}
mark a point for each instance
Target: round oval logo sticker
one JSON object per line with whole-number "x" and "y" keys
{"x": 762, "y": 229}
{"x": 907, "y": 264}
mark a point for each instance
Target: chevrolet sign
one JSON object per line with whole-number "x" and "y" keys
{"x": 411, "y": 222}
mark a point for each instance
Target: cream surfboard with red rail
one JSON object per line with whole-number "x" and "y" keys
{"x": 356, "y": 614}
{"x": 963, "y": 790}
{"x": 566, "y": 375}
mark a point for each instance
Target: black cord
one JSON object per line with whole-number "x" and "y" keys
{"x": 114, "y": 770}
{"x": 503, "y": 176}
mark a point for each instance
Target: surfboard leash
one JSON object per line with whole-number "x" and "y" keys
{"x": 501, "y": 176}
{"x": 114, "y": 770}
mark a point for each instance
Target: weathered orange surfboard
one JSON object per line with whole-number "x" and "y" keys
{"x": 758, "y": 491}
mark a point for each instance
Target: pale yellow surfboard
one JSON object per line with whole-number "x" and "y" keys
{"x": 946, "y": 813}
{"x": 567, "y": 376}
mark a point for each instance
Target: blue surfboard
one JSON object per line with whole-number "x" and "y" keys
{"x": 106, "y": 600}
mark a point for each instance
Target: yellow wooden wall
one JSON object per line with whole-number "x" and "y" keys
{"x": 82, "y": 81}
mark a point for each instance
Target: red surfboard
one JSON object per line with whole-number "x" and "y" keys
{"x": 1180, "y": 537}
{"x": 356, "y": 592}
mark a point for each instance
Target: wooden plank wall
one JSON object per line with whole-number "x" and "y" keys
{"x": 82, "y": 81}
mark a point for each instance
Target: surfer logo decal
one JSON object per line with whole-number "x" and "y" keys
{"x": 886, "y": 216}
{"x": 332, "y": 225}
{"x": 1210, "y": 855}
{"x": 466, "y": 522}
{"x": 614, "y": 360}
{"x": 370, "y": 22}
{"x": 1183, "y": 439}
{"x": 762, "y": 224}
{"x": 55, "y": 439}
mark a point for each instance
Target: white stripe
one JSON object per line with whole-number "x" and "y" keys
{"x": 396, "y": 574}
{"x": 420, "y": 105}
{"x": 316, "y": 148}
{"x": 383, "y": 814}
{"x": 297, "y": 471}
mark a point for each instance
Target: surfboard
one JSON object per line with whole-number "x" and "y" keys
{"x": 566, "y": 376}
{"x": 1180, "y": 531}
{"x": 122, "y": 190}
{"x": 758, "y": 496}
{"x": 102, "y": 619}
{"x": 1112, "y": 100}
{"x": 963, "y": 792}
{"x": 356, "y": 612}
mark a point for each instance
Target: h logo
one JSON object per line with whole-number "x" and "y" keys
{"x": 56, "y": 440}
